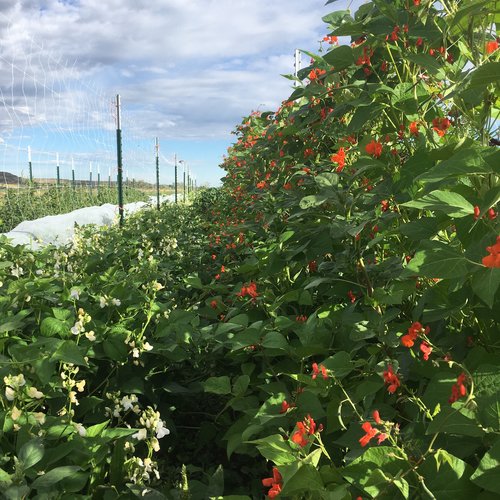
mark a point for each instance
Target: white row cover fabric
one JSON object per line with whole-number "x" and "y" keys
{"x": 59, "y": 229}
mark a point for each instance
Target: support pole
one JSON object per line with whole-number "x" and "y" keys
{"x": 157, "y": 152}
{"x": 57, "y": 170}
{"x": 109, "y": 177}
{"x": 98, "y": 176}
{"x": 30, "y": 165}
{"x": 90, "y": 176}
{"x": 184, "y": 181}
{"x": 175, "y": 177}
{"x": 72, "y": 172}
{"x": 297, "y": 65}
{"x": 119, "y": 159}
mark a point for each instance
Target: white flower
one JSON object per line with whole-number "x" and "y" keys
{"x": 128, "y": 402}
{"x": 103, "y": 302}
{"x": 80, "y": 385}
{"x": 116, "y": 302}
{"x": 135, "y": 352}
{"x": 140, "y": 435}
{"x": 39, "y": 417}
{"x": 75, "y": 294}
{"x": 10, "y": 393}
{"x": 161, "y": 430}
{"x": 17, "y": 271}
{"x": 147, "y": 346}
{"x": 34, "y": 393}
{"x": 80, "y": 428}
{"x": 15, "y": 413}
{"x": 90, "y": 335}
{"x": 155, "y": 444}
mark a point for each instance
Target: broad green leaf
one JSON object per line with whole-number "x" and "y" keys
{"x": 327, "y": 180}
{"x": 274, "y": 340}
{"x": 54, "y": 476}
{"x": 340, "y": 57}
{"x": 218, "y": 385}
{"x": 488, "y": 471}
{"x": 300, "y": 478}
{"x": 312, "y": 200}
{"x": 447, "y": 477}
{"x": 486, "y": 73}
{"x": 434, "y": 259}
{"x": 69, "y": 352}
{"x": 448, "y": 202}
{"x": 427, "y": 63}
{"x": 52, "y": 326}
{"x": 275, "y": 449}
{"x": 485, "y": 283}
{"x": 31, "y": 453}
{"x": 451, "y": 421}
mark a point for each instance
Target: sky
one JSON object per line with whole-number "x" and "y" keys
{"x": 187, "y": 72}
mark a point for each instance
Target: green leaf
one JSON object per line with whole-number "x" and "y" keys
{"x": 31, "y": 453}
{"x": 340, "y": 364}
{"x": 451, "y": 421}
{"x": 54, "y": 476}
{"x": 327, "y": 180}
{"x": 452, "y": 204}
{"x": 275, "y": 449}
{"x": 115, "y": 348}
{"x": 447, "y": 477}
{"x": 218, "y": 385}
{"x": 485, "y": 283}
{"x": 428, "y": 64}
{"x": 488, "y": 471}
{"x": 274, "y": 340}
{"x": 434, "y": 259}
{"x": 340, "y": 58}
{"x": 52, "y": 326}
{"x": 312, "y": 200}
{"x": 484, "y": 75}
{"x": 69, "y": 352}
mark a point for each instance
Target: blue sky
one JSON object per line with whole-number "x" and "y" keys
{"x": 187, "y": 72}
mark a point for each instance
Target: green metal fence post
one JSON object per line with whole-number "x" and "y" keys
{"x": 98, "y": 176}
{"x": 57, "y": 170}
{"x": 157, "y": 148}
{"x": 72, "y": 172}
{"x": 30, "y": 165}
{"x": 119, "y": 158}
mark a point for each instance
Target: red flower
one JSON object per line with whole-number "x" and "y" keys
{"x": 458, "y": 390}
{"x": 285, "y": 406}
{"x": 440, "y": 125}
{"x": 383, "y": 66}
{"x": 493, "y": 260}
{"x": 416, "y": 3}
{"x": 426, "y": 349}
{"x": 261, "y": 184}
{"x": 330, "y": 39}
{"x": 376, "y": 417}
{"x": 374, "y": 148}
{"x": 275, "y": 483}
{"x": 312, "y": 266}
{"x": 339, "y": 159}
{"x": 316, "y": 369}
{"x": 301, "y": 318}
{"x": 304, "y": 429}
{"x": 213, "y": 304}
{"x": 391, "y": 379}
{"x": 385, "y": 205}
{"x": 250, "y": 290}
{"x": 477, "y": 211}
{"x": 352, "y": 296}
{"x": 287, "y": 186}
{"x": 419, "y": 41}
{"x": 491, "y": 46}
{"x": 492, "y": 215}
{"x": 413, "y": 331}
{"x": 414, "y": 128}
{"x": 316, "y": 73}
{"x": 370, "y": 433}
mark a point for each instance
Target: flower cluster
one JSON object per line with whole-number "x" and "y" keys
{"x": 440, "y": 126}
{"x": 414, "y": 331}
{"x": 79, "y": 326}
{"x": 339, "y": 159}
{"x": 493, "y": 260}
{"x": 274, "y": 483}
{"x": 374, "y": 148}
{"x": 458, "y": 389}
{"x": 317, "y": 369}
{"x": 153, "y": 426}
{"x": 304, "y": 429}
{"x": 250, "y": 290}
{"x": 69, "y": 382}
{"x": 371, "y": 432}
{"x": 391, "y": 379}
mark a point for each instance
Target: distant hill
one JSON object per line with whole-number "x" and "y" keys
{"x": 8, "y": 178}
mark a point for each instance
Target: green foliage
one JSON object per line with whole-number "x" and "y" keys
{"x": 326, "y": 322}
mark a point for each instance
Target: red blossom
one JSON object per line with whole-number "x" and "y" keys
{"x": 426, "y": 350}
{"x": 385, "y": 205}
{"x": 414, "y": 128}
{"x": 413, "y": 332}
{"x": 250, "y": 290}
{"x": 312, "y": 266}
{"x": 352, "y": 296}
{"x": 213, "y": 304}
{"x": 440, "y": 125}
{"x": 458, "y": 389}
{"x": 304, "y": 429}
{"x": 493, "y": 260}
{"x": 376, "y": 417}
{"x": 492, "y": 215}
{"x": 287, "y": 186}
{"x": 391, "y": 379}
{"x": 477, "y": 212}
{"x": 339, "y": 159}
{"x": 285, "y": 406}
{"x": 491, "y": 46}
{"x": 275, "y": 483}
{"x": 317, "y": 369}
{"x": 370, "y": 433}
{"x": 374, "y": 148}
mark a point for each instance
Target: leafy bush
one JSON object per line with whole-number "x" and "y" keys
{"x": 324, "y": 326}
